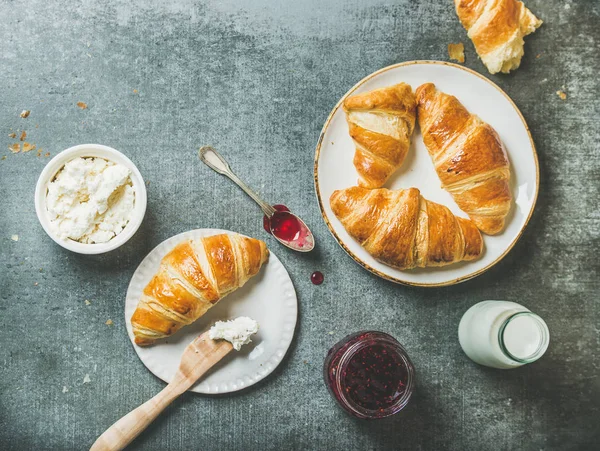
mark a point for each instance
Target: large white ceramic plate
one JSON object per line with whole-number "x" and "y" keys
{"x": 269, "y": 298}
{"x": 334, "y": 168}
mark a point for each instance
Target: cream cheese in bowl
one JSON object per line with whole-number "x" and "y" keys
{"x": 90, "y": 199}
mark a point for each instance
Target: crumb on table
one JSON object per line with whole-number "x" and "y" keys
{"x": 456, "y": 52}
{"x": 27, "y": 147}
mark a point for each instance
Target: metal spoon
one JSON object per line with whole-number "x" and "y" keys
{"x": 304, "y": 242}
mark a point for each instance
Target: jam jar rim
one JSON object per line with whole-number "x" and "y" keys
{"x": 347, "y": 355}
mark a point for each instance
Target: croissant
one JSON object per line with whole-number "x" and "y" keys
{"x": 191, "y": 279}
{"x": 405, "y": 230}
{"x": 468, "y": 156}
{"x": 497, "y": 28}
{"x": 381, "y": 123}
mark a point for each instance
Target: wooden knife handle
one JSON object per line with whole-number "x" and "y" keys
{"x": 121, "y": 433}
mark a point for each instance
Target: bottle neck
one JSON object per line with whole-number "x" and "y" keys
{"x": 524, "y": 337}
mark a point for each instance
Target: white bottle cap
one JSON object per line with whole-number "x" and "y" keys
{"x": 524, "y": 337}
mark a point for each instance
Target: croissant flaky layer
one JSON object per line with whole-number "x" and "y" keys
{"x": 381, "y": 123}
{"x": 468, "y": 156}
{"x": 497, "y": 28}
{"x": 405, "y": 230}
{"x": 191, "y": 279}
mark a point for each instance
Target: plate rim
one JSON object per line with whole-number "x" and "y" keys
{"x": 257, "y": 377}
{"x": 366, "y": 265}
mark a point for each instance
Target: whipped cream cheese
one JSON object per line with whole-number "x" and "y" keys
{"x": 236, "y": 331}
{"x": 90, "y": 200}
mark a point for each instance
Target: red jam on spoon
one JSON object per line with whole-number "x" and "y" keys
{"x": 267, "y": 221}
{"x": 287, "y": 227}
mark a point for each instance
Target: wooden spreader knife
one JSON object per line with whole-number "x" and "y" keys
{"x": 200, "y": 355}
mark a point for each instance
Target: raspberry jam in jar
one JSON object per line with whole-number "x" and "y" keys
{"x": 370, "y": 375}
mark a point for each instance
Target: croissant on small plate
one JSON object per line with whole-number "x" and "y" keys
{"x": 403, "y": 229}
{"x": 381, "y": 123}
{"x": 468, "y": 156}
{"x": 497, "y": 28}
{"x": 191, "y": 279}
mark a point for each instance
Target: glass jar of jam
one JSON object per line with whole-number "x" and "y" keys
{"x": 369, "y": 374}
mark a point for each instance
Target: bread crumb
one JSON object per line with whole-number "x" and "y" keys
{"x": 4, "y": 157}
{"x": 47, "y": 154}
{"x": 35, "y": 284}
{"x": 456, "y": 52}
{"x": 65, "y": 389}
{"x": 25, "y": 114}
{"x": 330, "y": 332}
{"x": 108, "y": 322}
{"x": 82, "y": 105}
{"x": 23, "y": 136}
{"x": 12, "y": 135}
{"x": 15, "y": 148}
{"x": 28, "y": 147}
{"x": 538, "y": 56}
{"x": 86, "y": 379}
{"x": 87, "y": 302}
{"x": 39, "y": 152}
{"x": 562, "y": 94}
{"x": 135, "y": 91}
{"x": 14, "y": 237}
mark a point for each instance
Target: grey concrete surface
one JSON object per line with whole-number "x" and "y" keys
{"x": 257, "y": 79}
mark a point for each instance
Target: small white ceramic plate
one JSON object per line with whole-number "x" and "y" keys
{"x": 269, "y": 298}
{"x": 334, "y": 168}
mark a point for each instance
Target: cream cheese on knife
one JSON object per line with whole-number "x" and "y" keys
{"x": 236, "y": 331}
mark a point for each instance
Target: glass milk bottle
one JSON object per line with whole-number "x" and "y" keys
{"x": 502, "y": 334}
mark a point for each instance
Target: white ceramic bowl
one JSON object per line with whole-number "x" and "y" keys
{"x": 91, "y": 150}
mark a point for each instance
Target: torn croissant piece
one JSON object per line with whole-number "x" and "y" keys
{"x": 468, "y": 157}
{"x": 381, "y": 123}
{"x": 497, "y": 28}
{"x": 403, "y": 229}
{"x": 191, "y": 279}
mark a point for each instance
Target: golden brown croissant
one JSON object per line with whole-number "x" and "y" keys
{"x": 381, "y": 123}
{"x": 191, "y": 279}
{"x": 405, "y": 230}
{"x": 497, "y": 28}
{"x": 468, "y": 156}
